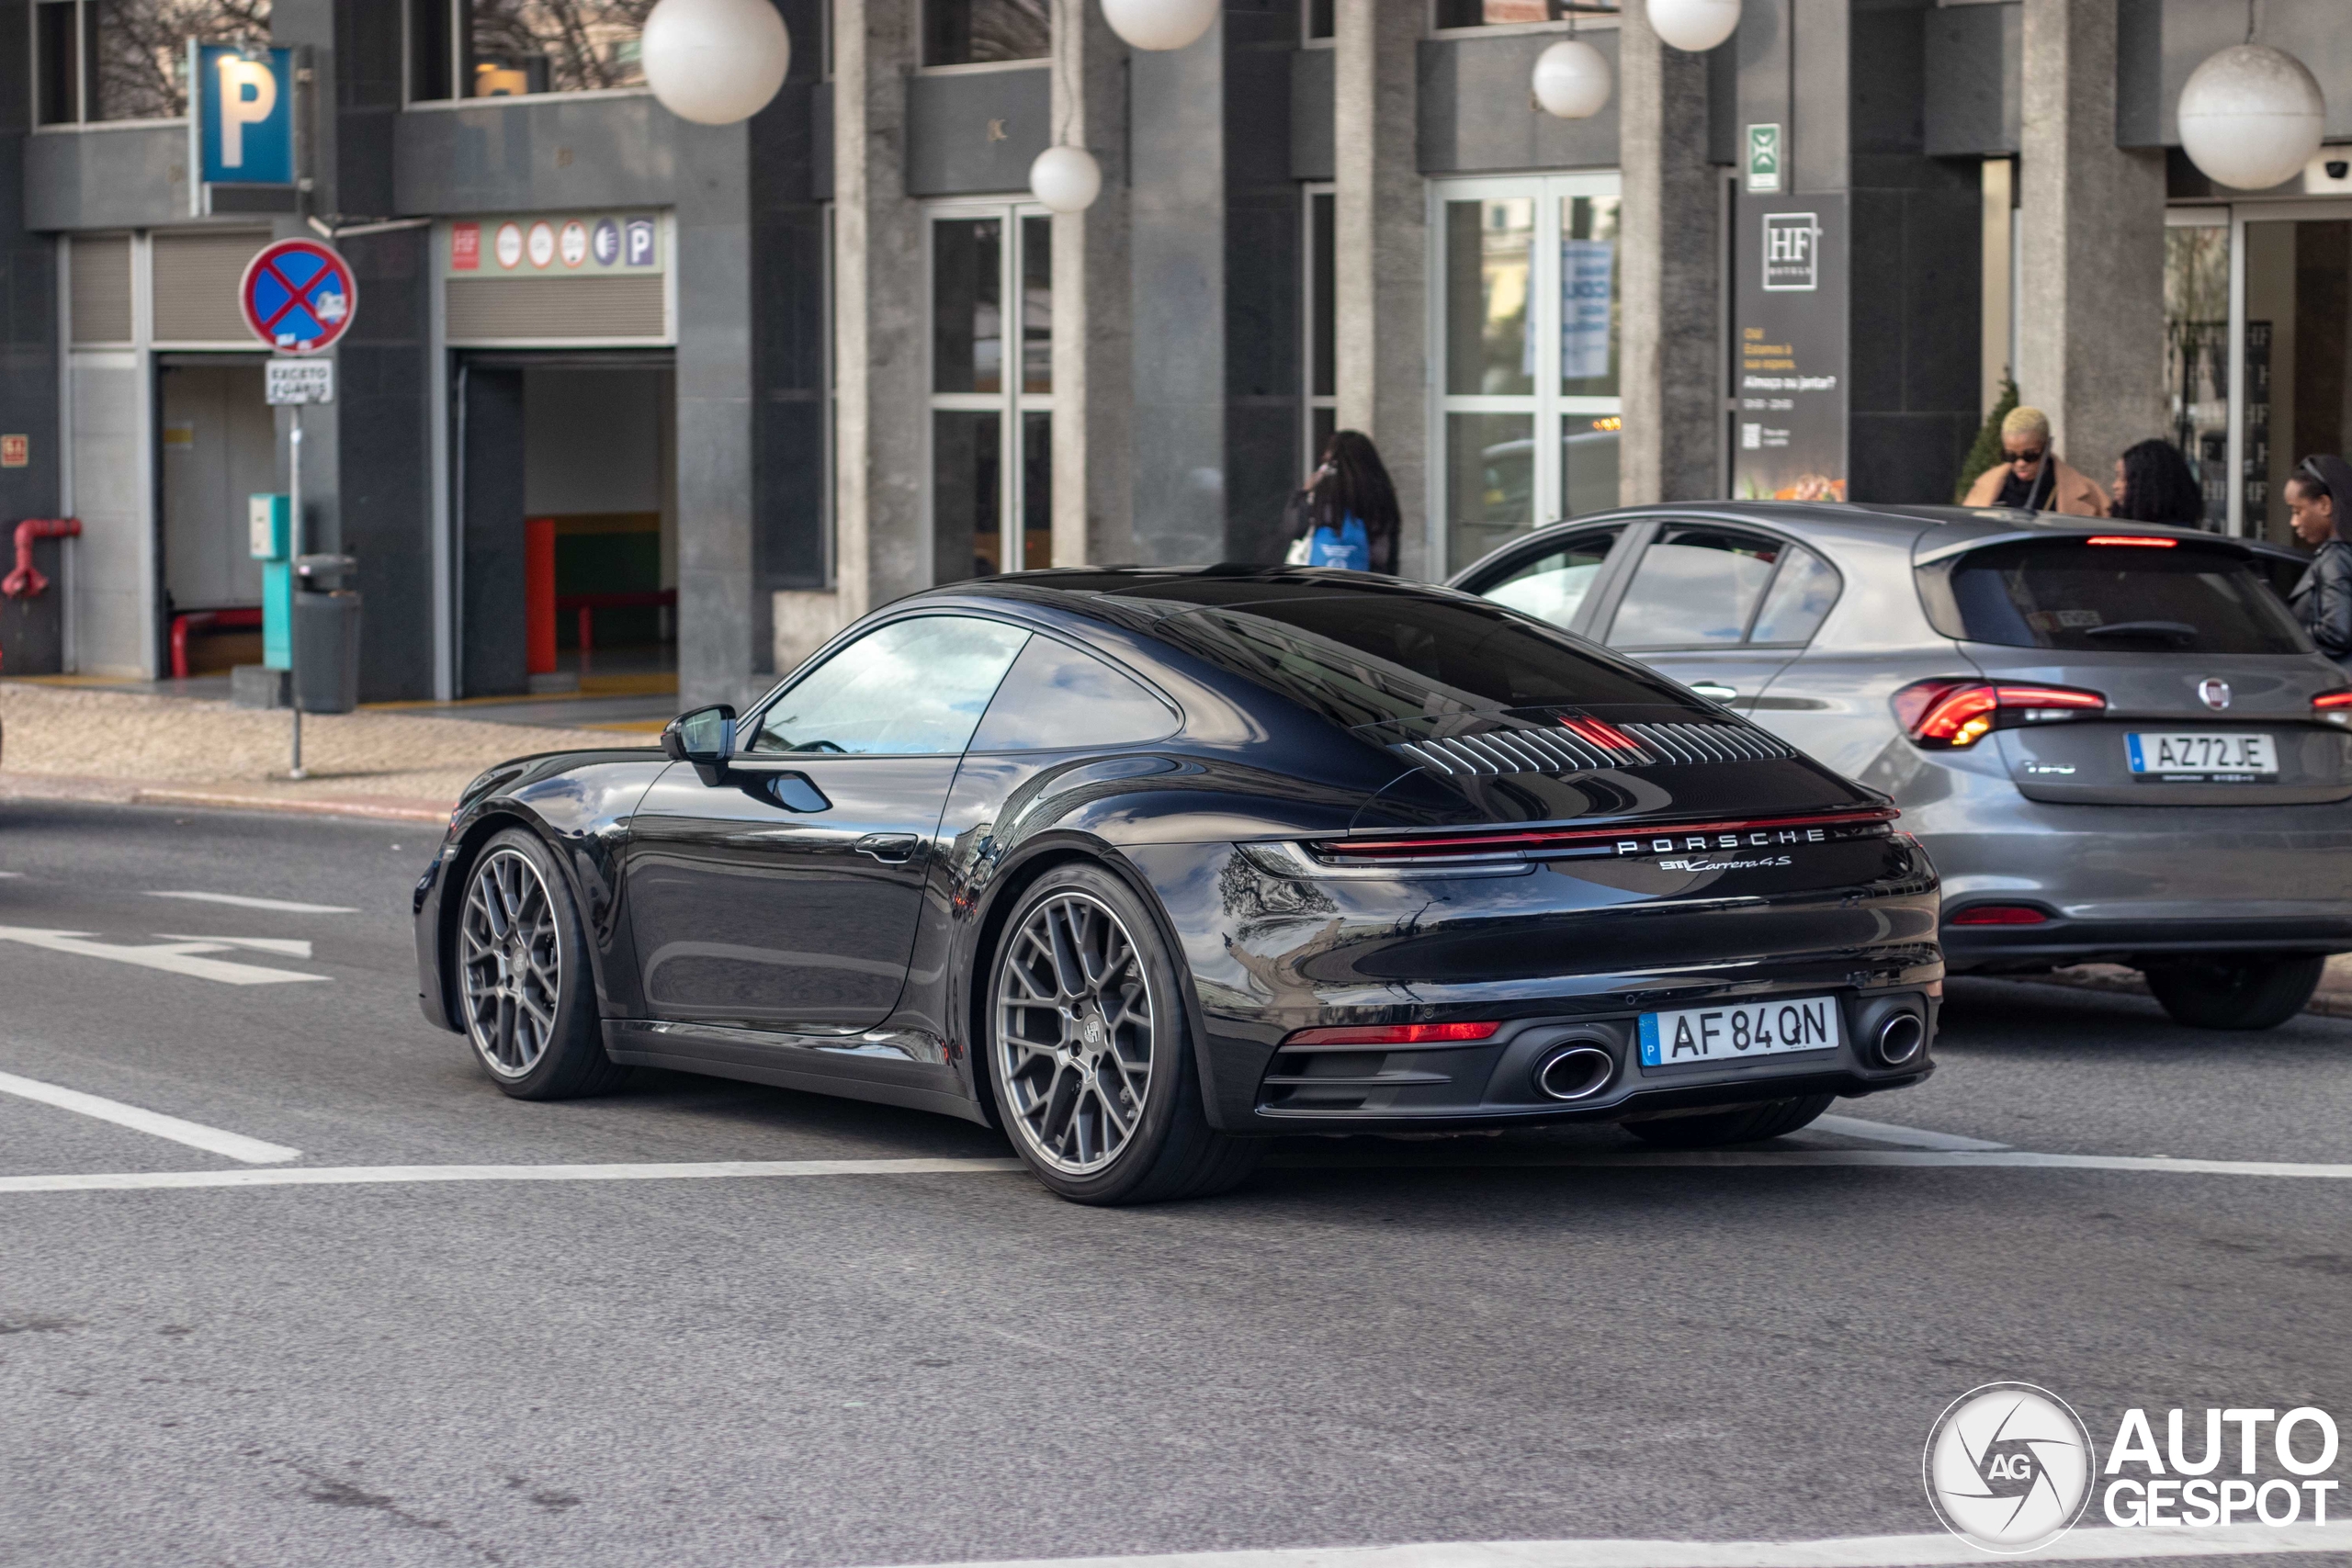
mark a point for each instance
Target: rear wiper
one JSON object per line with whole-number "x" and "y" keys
{"x": 2171, "y": 631}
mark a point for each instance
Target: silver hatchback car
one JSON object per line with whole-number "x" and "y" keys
{"x": 2113, "y": 739}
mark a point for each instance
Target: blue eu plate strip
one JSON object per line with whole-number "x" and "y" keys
{"x": 1650, "y": 1058}
{"x": 2132, "y": 744}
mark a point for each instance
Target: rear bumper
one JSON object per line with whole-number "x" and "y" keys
{"x": 2061, "y": 940}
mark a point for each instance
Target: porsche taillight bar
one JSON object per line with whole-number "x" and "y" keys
{"x": 1664, "y": 837}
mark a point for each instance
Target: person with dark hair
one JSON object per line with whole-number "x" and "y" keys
{"x": 2319, "y": 504}
{"x": 1346, "y": 517}
{"x": 2153, "y": 484}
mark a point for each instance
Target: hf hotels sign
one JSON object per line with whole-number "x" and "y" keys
{"x": 243, "y": 122}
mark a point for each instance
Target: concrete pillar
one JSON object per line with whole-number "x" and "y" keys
{"x": 1093, "y": 332}
{"x": 1380, "y": 249}
{"x": 880, "y": 550}
{"x": 1670, "y": 365}
{"x": 2090, "y": 329}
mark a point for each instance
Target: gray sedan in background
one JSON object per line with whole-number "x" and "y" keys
{"x": 2113, "y": 739}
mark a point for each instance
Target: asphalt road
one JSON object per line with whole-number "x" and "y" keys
{"x": 1376, "y": 1341}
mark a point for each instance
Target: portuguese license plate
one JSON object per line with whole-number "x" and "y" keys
{"x": 2201, "y": 756}
{"x": 1731, "y": 1034}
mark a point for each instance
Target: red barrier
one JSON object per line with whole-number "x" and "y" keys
{"x": 538, "y": 595}
{"x": 26, "y": 582}
{"x": 190, "y": 620}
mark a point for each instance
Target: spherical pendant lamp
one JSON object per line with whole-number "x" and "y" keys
{"x": 1694, "y": 25}
{"x": 2251, "y": 117}
{"x": 1573, "y": 80}
{"x": 1160, "y": 24}
{"x": 715, "y": 62}
{"x": 1067, "y": 179}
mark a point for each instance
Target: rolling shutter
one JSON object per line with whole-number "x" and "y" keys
{"x": 100, "y": 279}
{"x": 557, "y": 309}
{"x": 197, "y": 275}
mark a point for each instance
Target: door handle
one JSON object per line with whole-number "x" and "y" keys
{"x": 890, "y": 848}
{"x": 1715, "y": 691}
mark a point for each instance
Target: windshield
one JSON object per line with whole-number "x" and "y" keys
{"x": 1369, "y": 659}
{"x": 2075, "y": 597}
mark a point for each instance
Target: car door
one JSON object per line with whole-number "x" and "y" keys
{"x": 1556, "y": 579}
{"x": 782, "y": 891}
{"x": 1720, "y": 608}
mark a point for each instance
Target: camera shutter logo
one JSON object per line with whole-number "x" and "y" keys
{"x": 2009, "y": 1467}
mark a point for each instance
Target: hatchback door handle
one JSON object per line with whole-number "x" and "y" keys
{"x": 890, "y": 848}
{"x": 1715, "y": 691}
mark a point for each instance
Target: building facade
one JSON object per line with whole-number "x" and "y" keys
{"x": 756, "y": 380}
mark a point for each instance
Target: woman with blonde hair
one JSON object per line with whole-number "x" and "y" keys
{"x": 2030, "y": 475}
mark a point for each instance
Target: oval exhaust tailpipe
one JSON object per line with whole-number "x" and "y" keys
{"x": 1576, "y": 1072}
{"x": 1900, "y": 1038}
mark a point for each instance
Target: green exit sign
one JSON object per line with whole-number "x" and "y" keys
{"x": 1763, "y": 159}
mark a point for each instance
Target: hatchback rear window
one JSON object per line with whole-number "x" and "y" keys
{"x": 2075, "y": 597}
{"x": 1370, "y": 657}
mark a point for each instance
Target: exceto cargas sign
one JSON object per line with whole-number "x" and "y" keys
{"x": 2010, "y": 1468}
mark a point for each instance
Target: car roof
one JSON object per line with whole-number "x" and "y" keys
{"x": 1934, "y": 531}
{"x": 1193, "y": 587}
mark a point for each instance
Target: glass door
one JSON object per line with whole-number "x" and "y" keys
{"x": 991, "y": 389}
{"x": 1525, "y": 284}
{"x": 2290, "y": 396}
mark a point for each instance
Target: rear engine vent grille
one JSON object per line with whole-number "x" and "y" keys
{"x": 1540, "y": 750}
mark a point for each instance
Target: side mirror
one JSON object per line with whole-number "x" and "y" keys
{"x": 706, "y": 736}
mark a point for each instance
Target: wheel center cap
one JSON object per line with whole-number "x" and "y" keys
{"x": 1093, "y": 1032}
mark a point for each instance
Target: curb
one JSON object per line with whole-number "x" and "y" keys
{"x": 120, "y": 791}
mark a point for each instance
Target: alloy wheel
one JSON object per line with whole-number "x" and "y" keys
{"x": 511, "y": 963}
{"x": 1074, "y": 1033}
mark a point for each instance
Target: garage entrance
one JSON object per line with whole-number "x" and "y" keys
{"x": 567, "y": 522}
{"x": 219, "y": 445}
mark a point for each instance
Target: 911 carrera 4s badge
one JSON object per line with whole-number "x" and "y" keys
{"x": 1704, "y": 864}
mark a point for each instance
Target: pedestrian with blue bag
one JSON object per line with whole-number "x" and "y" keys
{"x": 1346, "y": 517}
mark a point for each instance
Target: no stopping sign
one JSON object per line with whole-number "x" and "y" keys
{"x": 298, "y": 296}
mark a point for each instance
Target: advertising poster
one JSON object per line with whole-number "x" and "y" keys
{"x": 1789, "y": 349}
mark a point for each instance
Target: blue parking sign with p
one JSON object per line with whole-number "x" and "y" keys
{"x": 244, "y": 114}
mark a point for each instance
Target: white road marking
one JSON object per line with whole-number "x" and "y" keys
{"x": 375, "y": 1175}
{"x": 284, "y": 946}
{"x": 285, "y": 905}
{"x": 382, "y": 1175}
{"x": 212, "y": 1140}
{"x": 2102, "y": 1544}
{"x": 1886, "y": 1133}
{"x": 178, "y": 957}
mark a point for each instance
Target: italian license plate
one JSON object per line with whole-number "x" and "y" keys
{"x": 2201, "y": 756}
{"x": 1735, "y": 1033}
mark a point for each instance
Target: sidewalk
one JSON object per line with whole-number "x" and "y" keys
{"x": 73, "y": 743}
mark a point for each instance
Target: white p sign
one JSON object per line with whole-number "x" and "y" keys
{"x": 248, "y": 94}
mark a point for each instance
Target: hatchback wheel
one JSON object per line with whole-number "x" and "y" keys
{"x": 1746, "y": 1124}
{"x": 1089, "y": 1054}
{"x": 528, "y": 1000}
{"x": 2235, "y": 993}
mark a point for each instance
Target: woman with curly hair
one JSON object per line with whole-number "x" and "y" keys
{"x": 2153, "y": 484}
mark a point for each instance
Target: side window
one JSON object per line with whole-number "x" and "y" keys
{"x": 1553, "y": 586}
{"x": 1798, "y": 600}
{"x": 1058, "y": 698}
{"x": 1696, "y": 585}
{"x": 914, "y": 688}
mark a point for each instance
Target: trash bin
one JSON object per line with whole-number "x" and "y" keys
{"x": 326, "y": 635}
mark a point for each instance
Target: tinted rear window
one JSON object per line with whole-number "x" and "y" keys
{"x": 1366, "y": 659}
{"x": 2077, "y": 597}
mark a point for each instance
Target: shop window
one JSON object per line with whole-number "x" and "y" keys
{"x": 1528, "y": 289}
{"x": 993, "y": 382}
{"x": 116, "y": 60}
{"x": 512, "y": 49}
{"x": 2197, "y": 358}
{"x": 985, "y": 32}
{"x": 1506, "y": 12}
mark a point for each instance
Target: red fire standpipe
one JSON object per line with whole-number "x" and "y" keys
{"x": 26, "y": 582}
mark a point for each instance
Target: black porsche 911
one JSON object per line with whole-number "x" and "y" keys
{"x": 1145, "y": 865}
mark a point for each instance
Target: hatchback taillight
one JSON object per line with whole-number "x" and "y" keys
{"x": 1952, "y": 715}
{"x": 2334, "y": 708}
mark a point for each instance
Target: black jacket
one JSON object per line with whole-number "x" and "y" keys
{"x": 2323, "y": 600}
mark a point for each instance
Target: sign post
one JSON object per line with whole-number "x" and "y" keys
{"x": 298, "y": 296}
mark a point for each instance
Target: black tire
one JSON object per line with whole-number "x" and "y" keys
{"x": 516, "y": 921}
{"x": 1746, "y": 1124}
{"x": 2235, "y": 993}
{"x": 1064, "y": 1043}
